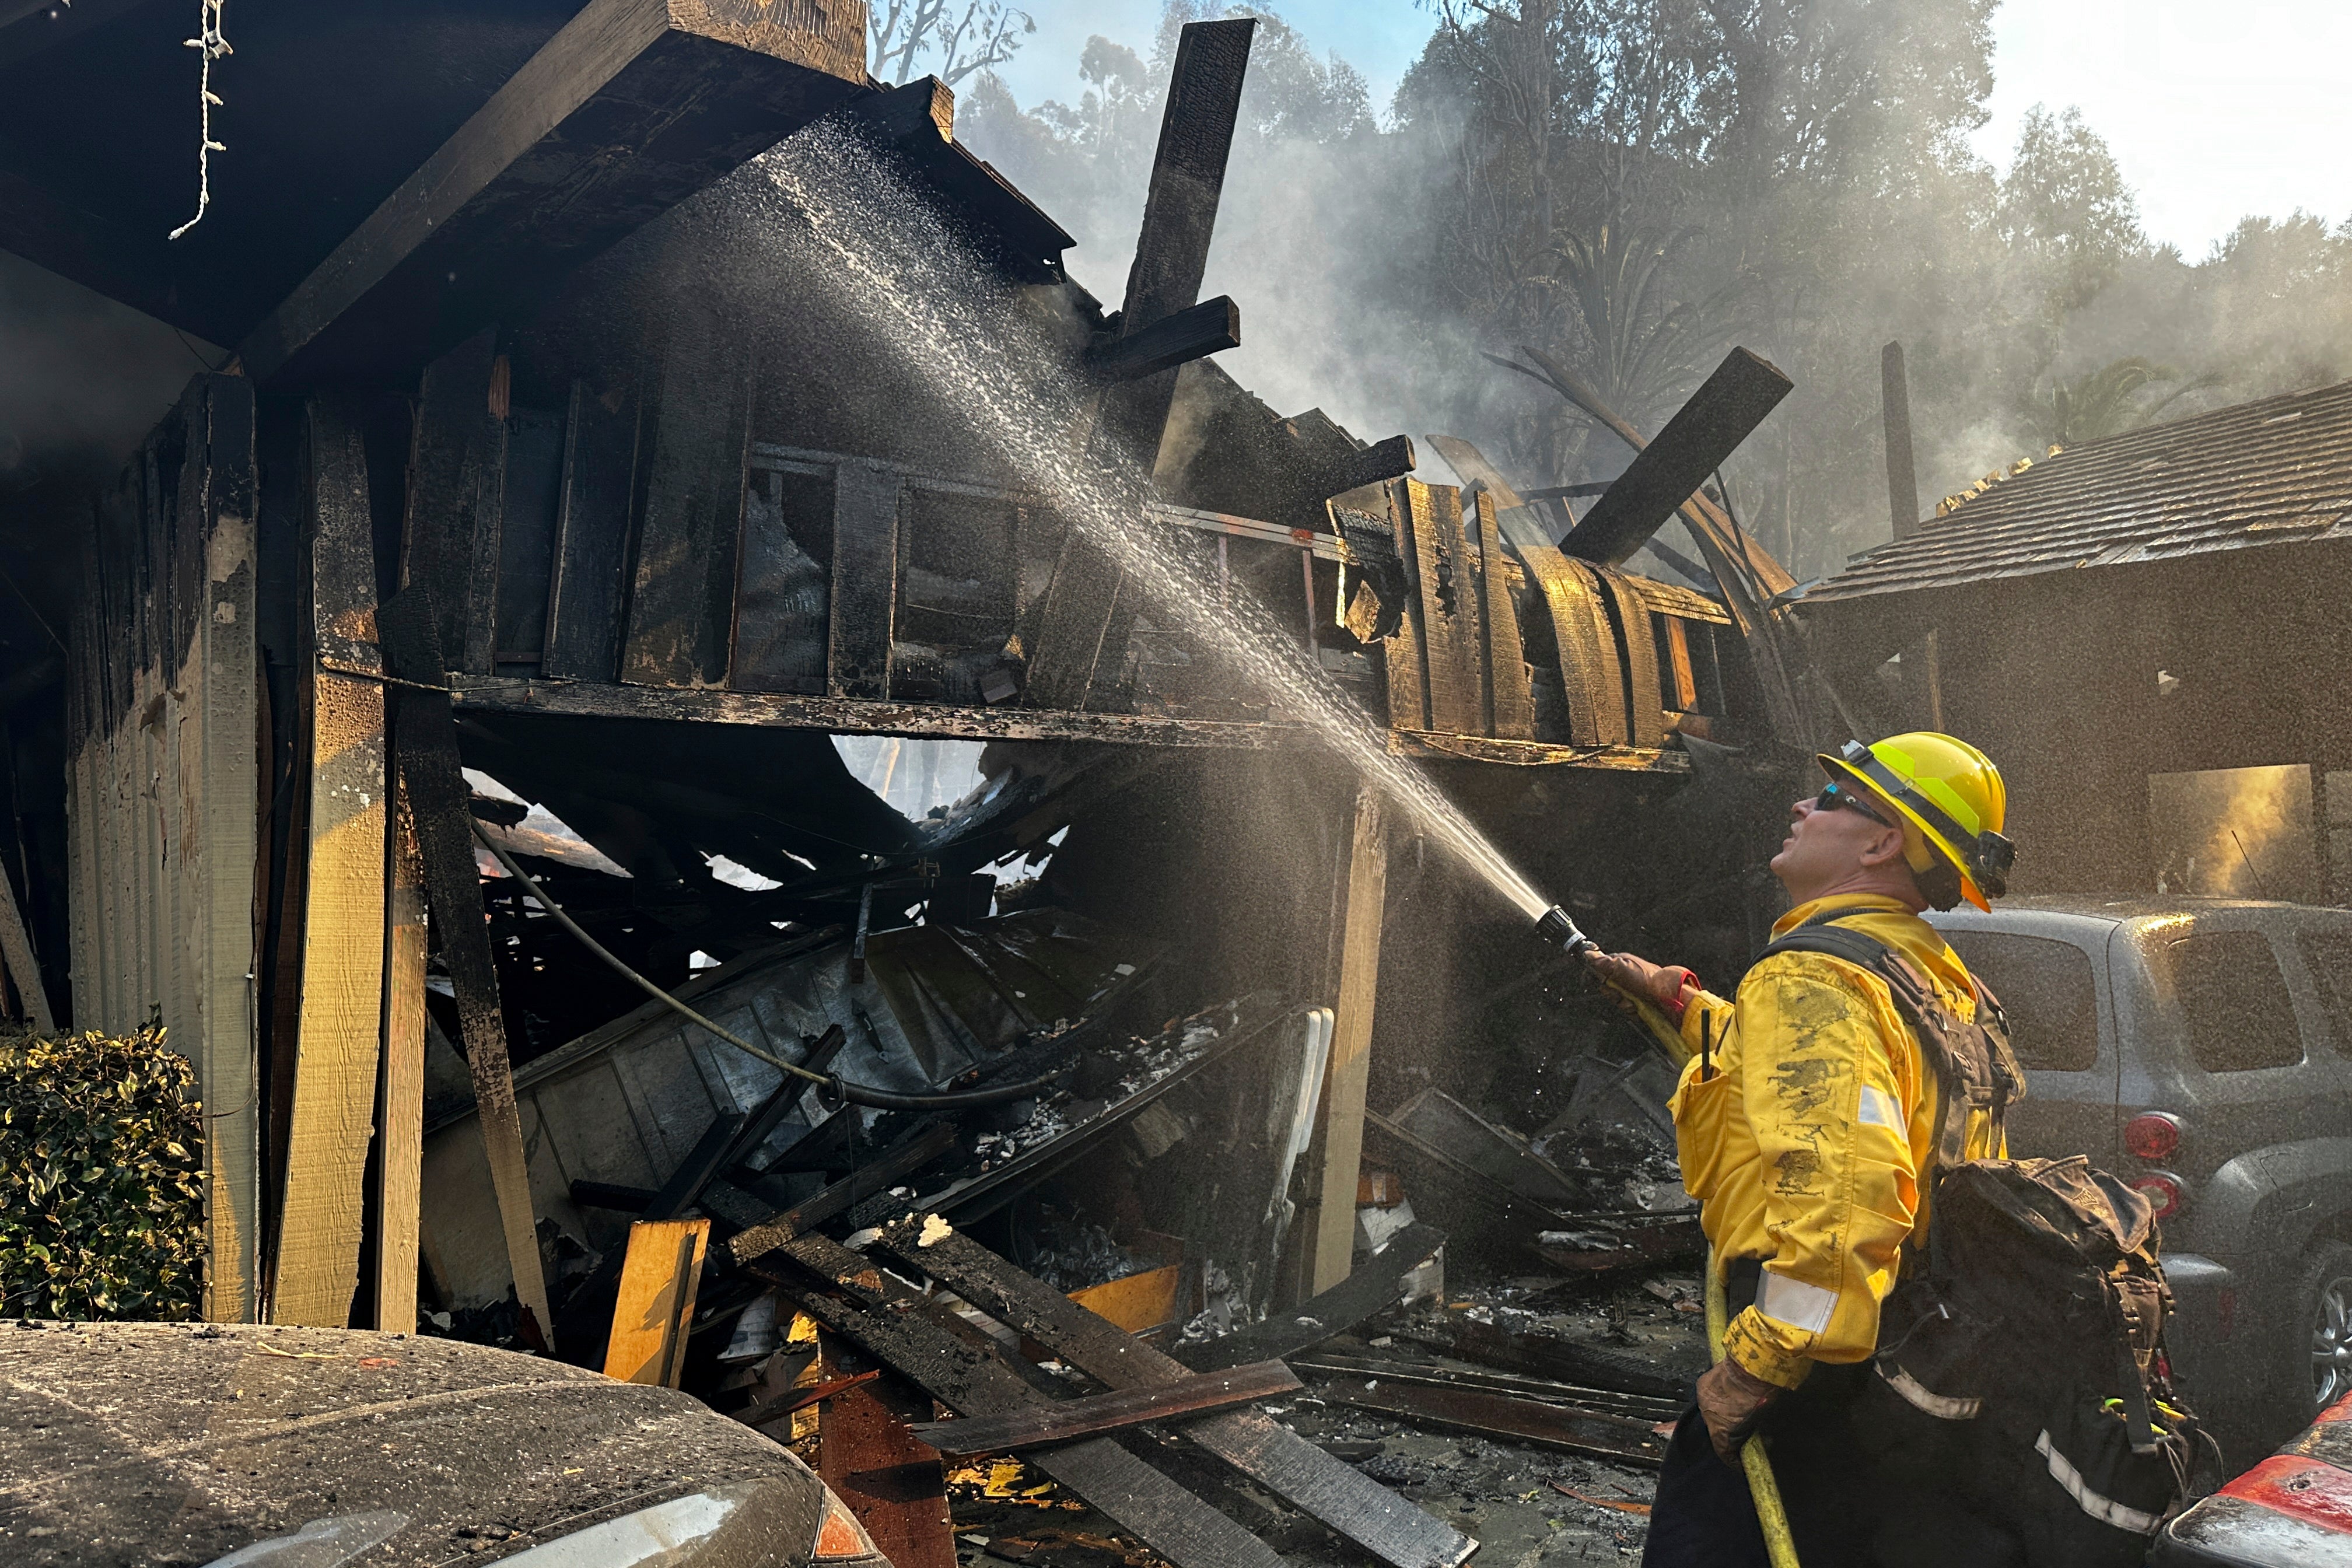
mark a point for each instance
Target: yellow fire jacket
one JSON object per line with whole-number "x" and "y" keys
{"x": 1806, "y": 1146}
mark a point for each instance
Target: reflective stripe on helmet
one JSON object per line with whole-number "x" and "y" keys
{"x": 1984, "y": 855}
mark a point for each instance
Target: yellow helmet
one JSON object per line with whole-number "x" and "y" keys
{"x": 1951, "y": 800}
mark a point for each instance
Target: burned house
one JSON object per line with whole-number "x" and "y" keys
{"x": 577, "y": 452}
{"x": 2085, "y": 617}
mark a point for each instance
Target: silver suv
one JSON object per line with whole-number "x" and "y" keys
{"x": 2201, "y": 1048}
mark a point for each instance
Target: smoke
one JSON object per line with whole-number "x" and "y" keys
{"x": 1808, "y": 194}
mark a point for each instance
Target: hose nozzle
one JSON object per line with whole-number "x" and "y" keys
{"x": 1555, "y": 926}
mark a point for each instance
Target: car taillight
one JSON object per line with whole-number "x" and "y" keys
{"x": 2152, "y": 1135}
{"x": 2163, "y": 1190}
{"x": 840, "y": 1535}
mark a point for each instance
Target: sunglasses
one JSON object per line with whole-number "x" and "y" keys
{"x": 1833, "y": 796}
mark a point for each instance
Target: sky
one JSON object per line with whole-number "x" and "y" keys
{"x": 2213, "y": 111}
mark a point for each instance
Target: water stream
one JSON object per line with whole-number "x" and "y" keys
{"x": 941, "y": 311}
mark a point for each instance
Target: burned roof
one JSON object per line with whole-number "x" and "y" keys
{"x": 2273, "y": 471}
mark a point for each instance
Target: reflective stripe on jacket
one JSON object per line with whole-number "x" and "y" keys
{"x": 1806, "y": 1146}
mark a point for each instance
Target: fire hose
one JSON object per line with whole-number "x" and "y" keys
{"x": 1763, "y": 1486}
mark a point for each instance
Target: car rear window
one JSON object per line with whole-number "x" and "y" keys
{"x": 2232, "y": 1001}
{"x": 2044, "y": 988}
{"x": 2328, "y": 954}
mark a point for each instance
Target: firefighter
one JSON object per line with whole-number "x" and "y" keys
{"x": 1805, "y": 1122}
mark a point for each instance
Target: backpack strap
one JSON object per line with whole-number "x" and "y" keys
{"x": 1972, "y": 1065}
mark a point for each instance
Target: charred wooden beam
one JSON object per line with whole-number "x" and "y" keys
{"x": 1083, "y": 624}
{"x": 1210, "y": 327}
{"x": 1668, "y": 471}
{"x": 1085, "y": 1417}
{"x": 1390, "y": 1528}
{"x": 1376, "y": 463}
{"x": 632, "y": 107}
{"x": 457, "y": 484}
{"x": 343, "y": 939}
{"x": 425, "y": 740}
{"x": 1537, "y": 1423}
{"x": 681, "y": 619}
{"x": 1370, "y": 1289}
{"x": 846, "y": 1294}
{"x": 1902, "y": 474}
{"x": 917, "y": 122}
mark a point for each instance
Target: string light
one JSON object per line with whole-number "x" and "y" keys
{"x": 212, "y": 44}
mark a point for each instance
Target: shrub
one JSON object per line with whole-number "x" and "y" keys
{"x": 101, "y": 1189}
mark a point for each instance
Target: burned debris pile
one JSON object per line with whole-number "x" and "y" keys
{"x": 1090, "y": 1318}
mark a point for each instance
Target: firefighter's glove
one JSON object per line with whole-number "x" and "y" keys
{"x": 1731, "y": 1400}
{"x": 1668, "y": 986}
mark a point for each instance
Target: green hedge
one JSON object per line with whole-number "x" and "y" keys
{"x": 101, "y": 1185}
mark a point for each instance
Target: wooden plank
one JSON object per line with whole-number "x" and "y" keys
{"x": 429, "y": 765}
{"x": 1086, "y": 1416}
{"x": 869, "y": 1453}
{"x": 1682, "y": 679}
{"x": 1430, "y": 520}
{"x": 1667, "y": 472}
{"x": 399, "y": 1125}
{"x": 1352, "y": 1504}
{"x": 1404, "y": 658}
{"x": 1637, "y": 651}
{"x": 865, "y": 580}
{"x": 341, "y": 1015}
{"x": 220, "y": 782}
{"x": 650, "y": 1320}
{"x": 600, "y": 453}
{"x": 1193, "y": 332}
{"x": 1333, "y": 1239}
{"x": 456, "y": 474}
{"x": 1138, "y": 1303}
{"x": 849, "y": 1298}
{"x": 1511, "y": 705}
{"x": 879, "y": 1175}
{"x": 633, "y": 106}
{"x": 1536, "y": 1422}
{"x": 851, "y": 717}
{"x": 584, "y": 1314}
{"x": 1372, "y": 1290}
{"x": 682, "y": 594}
{"x": 1592, "y": 675}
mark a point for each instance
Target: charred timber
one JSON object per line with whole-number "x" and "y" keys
{"x": 1210, "y": 327}
{"x": 632, "y": 107}
{"x": 1668, "y": 471}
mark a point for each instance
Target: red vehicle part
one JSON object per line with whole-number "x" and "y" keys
{"x": 2292, "y": 1511}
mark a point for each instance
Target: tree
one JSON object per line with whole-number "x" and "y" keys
{"x": 2110, "y": 400}
{"x": 2064, "y": 207}
{"x": 903, "y": 33}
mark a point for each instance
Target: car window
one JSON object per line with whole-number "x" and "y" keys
{"x": 2233, "y": 1000}
{"x": 2328, "y": 955}
{"x": 2045, "y": 989}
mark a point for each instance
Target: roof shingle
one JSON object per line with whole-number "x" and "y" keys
{"x": 2275, "y": 471}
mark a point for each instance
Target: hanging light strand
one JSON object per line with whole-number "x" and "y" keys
{"x": 211, "y": 45}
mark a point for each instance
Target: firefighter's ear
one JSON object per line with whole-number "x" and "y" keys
{"x": 1886, "y": 849}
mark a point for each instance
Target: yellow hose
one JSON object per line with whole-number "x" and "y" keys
{"x": 1762, "y": 1486}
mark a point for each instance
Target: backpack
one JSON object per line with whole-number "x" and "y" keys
{"x": 2020, "y": 1369}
